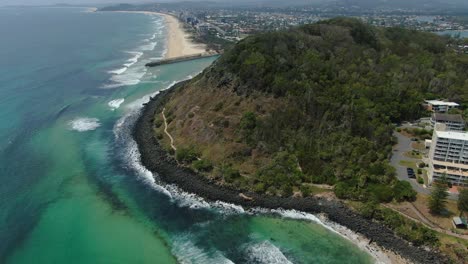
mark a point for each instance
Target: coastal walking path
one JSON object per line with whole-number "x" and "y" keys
{"x": 165, "y": 130}
{"x": 426, "y": 222}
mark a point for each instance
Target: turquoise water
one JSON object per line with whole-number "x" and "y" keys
{"x": 462, "y": 33}
{"x": 73, "y": 191}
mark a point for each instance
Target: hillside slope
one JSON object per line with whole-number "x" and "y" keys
{"x": 314, "y": 104}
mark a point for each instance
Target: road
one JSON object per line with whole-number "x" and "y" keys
{"x": 403, "y": 146}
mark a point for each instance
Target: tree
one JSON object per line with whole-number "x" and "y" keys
{"x": 404, "y": 192}
{"x": 438, "y": 197}
{"x": 463, "y": 201}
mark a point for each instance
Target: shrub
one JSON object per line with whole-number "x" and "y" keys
{"x": 305, "y": 190}
{"x": 286, "y": 190}
{"x": 191, "y": 114}
{"x": 186, "y": 154}
{"x": 218, "y": 106}
{"x": 259, "y": 187}
{"x": 404, "y": 192}
{"x": 202, "y": 165}
{"x": 420, "y": 180}
{"x": 158, "y": 123}
{"x": 345, "y": 190}
{"x": 383, "y": 193}
{"x": 228, "y": 173}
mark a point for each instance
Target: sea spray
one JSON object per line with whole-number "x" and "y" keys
{"x": 187, "y": 252}
{"x": 115, "y": 104}
{"x": 83, "y": 124}
{"x": 266, "y": 252}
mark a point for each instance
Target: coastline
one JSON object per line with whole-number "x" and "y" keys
{"x": 178, "y": 42}
{"x": 379, "y": 241}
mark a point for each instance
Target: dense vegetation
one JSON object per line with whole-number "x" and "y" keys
{"x": 341, "y": 85}
{"x": 410, "y": 230}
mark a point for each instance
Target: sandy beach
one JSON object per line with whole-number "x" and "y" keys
{"x": 178, "y": 40}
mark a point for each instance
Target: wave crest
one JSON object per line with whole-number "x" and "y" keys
{"x": 83, "y": 124}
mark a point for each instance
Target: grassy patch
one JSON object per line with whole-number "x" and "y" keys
{"x": 414, "y": 154}
{"x": 409, "y": 164}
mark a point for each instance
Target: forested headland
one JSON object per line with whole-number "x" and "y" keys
{"x": 315, "y": 104}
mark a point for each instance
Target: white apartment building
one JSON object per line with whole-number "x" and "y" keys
{"x": 440, "y": 106}
{"x": 448, "y": 155}
{"x": 453, "y": 122}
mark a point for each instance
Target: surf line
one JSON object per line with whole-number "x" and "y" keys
{"x": 165, "y": 130}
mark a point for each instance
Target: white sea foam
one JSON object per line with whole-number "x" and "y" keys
{"x": 83, "y": 124}
{"x": 134, "y": 59}
{"x": 118, "y": 71}
{"x": 150, "y": 46}
{"x": 114, "y": 104}
{"x": 266, "y": 252}
{"x": 132, "y": 76}
{"x": 187, "y": 252}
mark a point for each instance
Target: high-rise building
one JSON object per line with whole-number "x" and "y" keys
{"x": 453, "y": 122}
{"x": 448, "y": 155}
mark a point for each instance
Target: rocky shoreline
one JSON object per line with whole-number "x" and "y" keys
{"x": 157, "y": 160}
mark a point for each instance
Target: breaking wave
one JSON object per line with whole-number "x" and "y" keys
{"x": 83, "y": 124}
{"x": 187, "y": 252}
{"x": 114, "y": 104}
{"x": 266, "y": 252}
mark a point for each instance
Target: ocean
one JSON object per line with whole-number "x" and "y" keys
{"x": 72, "y": 187}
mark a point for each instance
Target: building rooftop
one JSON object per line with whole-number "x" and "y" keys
{"x": 438, "y": 102}
{"x": 457, "y": 220}
{"x": 447, "y": 117}
{"x": 453, "y": 135}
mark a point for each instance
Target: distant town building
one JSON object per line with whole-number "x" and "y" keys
{"x": 453, "y": 122}
{"x": 440, "y": 106}
{"x": 448, "y": 155}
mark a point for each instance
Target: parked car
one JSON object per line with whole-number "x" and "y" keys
{"x": 410, "y": 172}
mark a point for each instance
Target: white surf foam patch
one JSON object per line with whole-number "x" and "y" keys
{"x": 132, "y": 158}
{"x": 149, "y": 47}
{"x": 83, "y": 124}
{"x": 115, "y": 104}
{"x": 266, "y": 252}
{"x": 118, "y": 71}
{"x": 363, "y": 243}
{"x": 134, "y": 59}
{"x": 187, "y": 252}
{"x": 132, "y": 76}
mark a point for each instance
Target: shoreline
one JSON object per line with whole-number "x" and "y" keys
{"x": 379, "y": 241}
{"x": 178, "y": 42}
